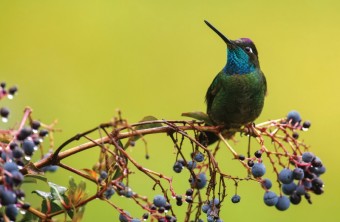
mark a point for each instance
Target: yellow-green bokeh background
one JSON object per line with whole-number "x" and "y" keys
{"x": 78, "y": 61}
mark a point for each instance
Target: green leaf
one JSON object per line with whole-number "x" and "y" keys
{"x": 32, "y": 178}
{"x": 57, "y": 191}
{"x": 55, "y": 206}
{"x": 42, "y": 194}
{"x": 199, "y": 116}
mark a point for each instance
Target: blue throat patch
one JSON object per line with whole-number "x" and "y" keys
{"x": 238, "y": 62}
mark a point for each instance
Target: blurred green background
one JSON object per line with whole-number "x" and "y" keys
{"x": 78, "y": 61}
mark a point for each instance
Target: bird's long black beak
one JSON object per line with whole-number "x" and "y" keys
{"x": 225, "y": 39}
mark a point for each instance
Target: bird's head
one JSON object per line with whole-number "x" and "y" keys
{"x": 242, "y": 54}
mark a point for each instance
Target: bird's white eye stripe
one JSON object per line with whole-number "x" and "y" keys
{"x": 249, "y": 49}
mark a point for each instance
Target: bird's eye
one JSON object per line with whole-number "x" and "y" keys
{"x": 248, "y": 49}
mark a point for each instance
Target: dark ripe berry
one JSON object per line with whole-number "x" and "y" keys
{"x": 13, "y": 145}
{"x": 270, "y": 198}
{"x": 288, "y": 189}
{"x": 178, "y": 197}
{"x": 236, "y": 198}
{"x": 20, "y": 194}
{"x": 318, "y": 170}
{"x": 189, "y": 192}
{"x": 317, "y": 183}
{"x": 11, "y": 212}
{"x": 250, "y": 163}
{"x": 28, "y": 147}
{"x": 316, "y": 162}
{"x": 124, "y": 217}
{"x": 25, "y": 206}
{"x": 266, "y": 183}
{"x": 24, "y": 133}
{"x": 161, "y": 210}
{"x": 307, "y": 157}
{"x": 188, "y": 199}
{"x": 241, "y": 157}
{"x": 199, "y": 157}
{"x": 199, "y": 181}
{"x": 258, "y": 154}
{"x": 258, "y": 170}
{"x": 300, "y": 190}
{"x": 179, "y": 202}
{"x": 307, "y": 184}
{"x": 295, "y": 198}
{"x": 298, "y": 174}
{"x": 191, "y": 165}
{"x": 317, "y": 190}
{"x": 12, "y": 90}
{"x": 167, "y": 206}
{"x": 153, "y": 207}
{"x": 286, "y": 176}
{"x": 283, "y": 203}
{"x": 11, "y": 167}
{"x": 294, "y": 117}
{"x": 35, "y": 124}
{"x": 159, "y": 201}
{"x": 145, "y": 216}
{"x": 295, "y": 135}
{"x": 177, "y": 167}
{"x": 306, "y": 124}
{"x": 17, "y": 153}
{"x": 43, "y": 132}
{"x": 3, "y": 85}
{"x": 4, "y": 112}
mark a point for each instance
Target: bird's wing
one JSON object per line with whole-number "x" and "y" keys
{"x": 211, "y": 93}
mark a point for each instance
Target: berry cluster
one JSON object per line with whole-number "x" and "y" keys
{"x": 157, "y": 209}
{"x": 16, "y": 150}
{"x": 212, "y": 210}
{"x": 4, "y": 112}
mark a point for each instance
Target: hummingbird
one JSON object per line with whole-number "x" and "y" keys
{"x": 236, "y": 95}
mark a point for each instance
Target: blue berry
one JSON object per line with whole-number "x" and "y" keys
{"x": 294, "y": 117}
{"x": 109, "y": 192}
{"x": 306, "y": 125}
{"x": 103, "y": 175}
{"x": 124, "y": 217}
{"x": 11, "y": 212}
{"x": 298, "y": 174}
{"x": 266, "y": 183}
{"x": 307, "y": 157}
{"x": 286, "y": 176}
{"x": 191, "y": 165}
{"x": 4, "y": 112}
{"x": 11, "y": 166}
{"x": 35, "y": 124}
{"x": 178, "y": 166}
{"x": 135, "y": 220}
{"x": 236, "y": 198}
{"x": 159, "y": 201}
{"x": 7, "y": 197}
{"x": 200, "y": 181}
{"x": 258, "y": 170}
{"x": 28, "y": 147}
{"x": 17, "y": 178}
{"x": 283, "y": 203}
{"x": 288, "y": 189}
{"x": 210, "y": 218}
{"x": 270, "y": 198}
{"x": 199, "y": 157}
{"x": 205, "y": 208}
